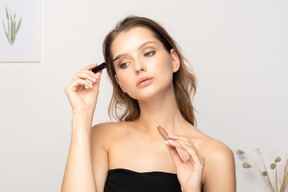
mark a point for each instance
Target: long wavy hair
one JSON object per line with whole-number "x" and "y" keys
{"x": 124, "y": 108}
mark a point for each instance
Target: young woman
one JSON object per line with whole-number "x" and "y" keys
{"x": 151, "y": 87}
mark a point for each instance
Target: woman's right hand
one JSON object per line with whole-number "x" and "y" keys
{"x": 82, "y": 94}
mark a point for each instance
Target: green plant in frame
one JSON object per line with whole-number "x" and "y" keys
{"x": 12, "y": 27}
{"x": 275, "y": 181}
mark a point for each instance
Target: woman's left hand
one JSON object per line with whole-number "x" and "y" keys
{"x": 189, "y": 172}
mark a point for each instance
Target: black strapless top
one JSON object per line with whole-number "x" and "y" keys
{"x": 123, "y": 180}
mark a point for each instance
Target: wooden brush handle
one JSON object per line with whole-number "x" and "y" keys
{"x": 163, "y": 133}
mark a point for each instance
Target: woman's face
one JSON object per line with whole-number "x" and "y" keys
{"x": 144, "y": 68}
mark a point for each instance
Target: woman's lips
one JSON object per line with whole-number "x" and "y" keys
{"x": 144, "y": 81}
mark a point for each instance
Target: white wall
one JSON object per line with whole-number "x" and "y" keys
{"x": 238, "y": 50}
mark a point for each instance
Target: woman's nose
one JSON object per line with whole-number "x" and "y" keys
{"x": 139, "y": 67}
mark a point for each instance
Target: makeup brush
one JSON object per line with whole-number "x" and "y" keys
{"x": 163, "y": 133}
{"x": 103, "y": 65}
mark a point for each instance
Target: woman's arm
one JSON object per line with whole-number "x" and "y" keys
{"x": 99, "y": 147}
{"x": 82, "y": 95}
{"x": 78, "y": 174}
{"x": 219, "y": 173}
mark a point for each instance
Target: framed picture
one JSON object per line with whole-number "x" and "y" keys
{"x": 20, "y": 31}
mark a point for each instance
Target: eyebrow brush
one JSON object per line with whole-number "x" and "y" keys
{"x": 103, "y": 65}
{"x": 163, "y": 133}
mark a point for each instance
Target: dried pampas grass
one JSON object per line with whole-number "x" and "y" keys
{"x": 276, "y": 183}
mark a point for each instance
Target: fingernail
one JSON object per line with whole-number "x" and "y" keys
{"x": 183, "y": 143}
{"x": 93, "y": 79}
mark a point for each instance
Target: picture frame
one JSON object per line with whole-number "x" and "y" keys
{"x": 20, "y": 31}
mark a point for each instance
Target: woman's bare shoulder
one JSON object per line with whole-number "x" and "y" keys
{"x": 105, "y": 126}
{"x": 105, "y": 132}
{"x": 214, "y": 148}
{"x": 219, "y": 160}
{"x": 108, "y": 128}
{"x": 206, "y": 144}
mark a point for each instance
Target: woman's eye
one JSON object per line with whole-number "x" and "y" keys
{"x": 150, "y": 53}
{"x": 124, "y": 65}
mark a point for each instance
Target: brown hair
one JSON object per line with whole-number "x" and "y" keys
{"x": 184, "y": 81}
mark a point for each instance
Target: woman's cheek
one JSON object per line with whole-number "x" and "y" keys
{"x": 163, "y": 66}
{"x": 125, "y": 81}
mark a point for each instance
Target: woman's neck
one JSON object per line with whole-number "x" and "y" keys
{"x": 161, "y": 111}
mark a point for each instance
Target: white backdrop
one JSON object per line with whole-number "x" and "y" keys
{"x": 238, "y": 50}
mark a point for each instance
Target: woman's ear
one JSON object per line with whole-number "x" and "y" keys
{"x": 117, "y": 80}
{"x": 175, "y": 60}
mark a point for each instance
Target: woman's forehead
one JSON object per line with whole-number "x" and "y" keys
{"x": 132, "y": 39}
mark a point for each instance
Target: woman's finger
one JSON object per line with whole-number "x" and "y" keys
{"x": 194, "y": 154}
{"x": 79, "y": 85}
{"x": 175, "y": 137}
{"x": 183, "y": 139}
{"x": 174, "y": 153}
{"x": 187, "y": 145}
{"x": 85, "y": 76}
{"x": 175, "y": 143}
{"x": 89, "y": 67}
{"x": 85, "y": 73}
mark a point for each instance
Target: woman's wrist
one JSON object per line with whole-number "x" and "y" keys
{"x": 82, "y": 118}
{"x": 191, "y": 190}
{"x": 82, "y": 113}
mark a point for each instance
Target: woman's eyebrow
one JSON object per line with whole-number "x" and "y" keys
{"x": 146, "y": 43}
{"x": 140, "y": 47}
